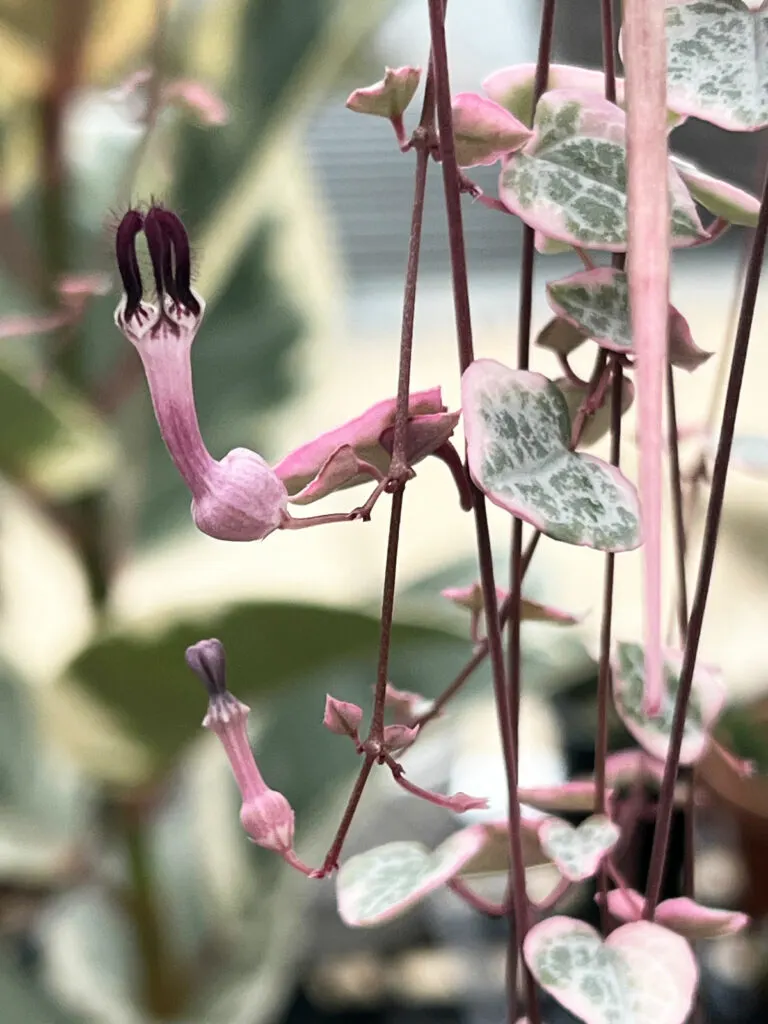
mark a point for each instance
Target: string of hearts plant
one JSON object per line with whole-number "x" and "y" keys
{"x": 585, "y": 166}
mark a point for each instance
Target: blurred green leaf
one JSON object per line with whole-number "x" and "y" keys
{"x": 23, "y": 1002}
{"x": 50, "y": 438}
{"x": 743, "y": 730}
{"x": 145, "y": 683}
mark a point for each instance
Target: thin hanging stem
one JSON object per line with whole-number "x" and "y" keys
{"x": 514, "y": 653}
{"x": 709, "y": 546}
{"x": 452, "y": 188}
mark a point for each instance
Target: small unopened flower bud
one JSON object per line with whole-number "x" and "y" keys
{"x": 208, "y": 661}
{"x": 341, "y": 716}
{"x": 265, "y": 814}
{"x": 398, "y": 737}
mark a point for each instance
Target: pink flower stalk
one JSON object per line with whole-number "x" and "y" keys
{"x": 265, "y": 814}
{"x": 239, "y": 497}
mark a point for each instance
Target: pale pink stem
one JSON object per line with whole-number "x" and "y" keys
{"x": 648, "y": 265}
{"x": 168, "y": 367}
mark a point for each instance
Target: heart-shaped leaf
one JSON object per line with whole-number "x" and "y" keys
{"x": 381, "y": 884}
{"x": 682, "y": 915}
{"x": 578, "y": 851}
{"x": 569, "y": 180}
{"x": 471, "y": 598}
{"x": 518, "y": 434}
{"x": 390, "y": 96}
{"x": 641, "y": 974}
{"x": 493, "y": 857}
{"x": 719, "y": 197}
{"x": 716, "y": 67}
{"x": 597, "y": 425}
{"x": 653, "y": 732}
{"x": 513, "y": 87}
{"x": 568, "y": 796}
{"x": 596, "y": 302}
{"x": 484, "y": 131}
{"x": 561, "y": 336}
{"x": 328, "y": 462}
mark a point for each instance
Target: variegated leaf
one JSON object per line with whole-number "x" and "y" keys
{"x": 569, "y": 181}
{"x": 716, "y": 62}
{"x": 641, "y": 974}
{"x": 653, "y": 732}
{"x": 381, "y": 884}
{"x": 719, "y": 197}
{"x": 578, "y": 851}
{"x": 513, "y": 87}
{"x": 597, "y": 303}
{"x": 680, "y": 914}
{"x": 518, "y": 434}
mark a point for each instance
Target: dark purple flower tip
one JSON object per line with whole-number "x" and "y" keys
{"x": 169, "y": 251}
{"x": 208, "y": 661}
{"x": 127, "y": 263}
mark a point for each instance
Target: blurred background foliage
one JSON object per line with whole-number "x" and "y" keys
{"x": 128, "y": 893}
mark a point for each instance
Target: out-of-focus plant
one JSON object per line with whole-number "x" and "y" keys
{"x": 589, "y": 175}
{"x": 585, "y": 166}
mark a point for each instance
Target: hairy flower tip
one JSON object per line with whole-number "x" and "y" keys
{"x": 399, "y": 737}
{"x": 127, "y": 262}
{"x": 268, "y": 819}
{"x": 389, "y": 97}
{"x": 169, "y": 253}
{"x": 208, "y": 661}
{"x": 341, "y": 716}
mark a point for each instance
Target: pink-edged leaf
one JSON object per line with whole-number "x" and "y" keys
{"x": 560, "y": 336}
{"x": 389, "y": 97}
{"x": 749, "y": 453}
{"x": 362, "y": 434}
{"x": 518, "y": 433}
{"x": 641, "y": 974}
{"x": 596, "y": 302}
{"x": 719, "y": 197}
{"x": 209, "y": 108}
{"x": 471, "y": 598}
{"x": 569, "y": 181}
{"x": 682, "y": 915}
{"x": 426, "y": 433}
{"x": 342, "y": 469}
{"x": 627, "y": 766}
{"x": 652, "y": 731}
{"x": 484, "y": 131}
{"x": 381, "y": 884}
{"x": 341, "y": 716}
{"x": 716, "y": 67}
{"x": 399, "y": 737}
{"x": 493, "y": 858}
{"x": 577, "y": 852}
{"x": 567, "y": 797}
{"x": 513, "y": 87}
{"x": 549, "y": 246}
{"x": 598, "y": 423}
{"x": 406, "y": 706}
